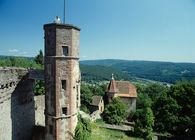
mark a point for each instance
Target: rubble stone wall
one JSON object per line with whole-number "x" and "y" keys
{"x": 17, "y": 116}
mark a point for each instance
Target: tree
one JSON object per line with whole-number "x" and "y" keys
{"x": 115, "y": 112}
{"x": 15, "y": 61}
{"x": 184, "y": 93}
{"x": 39, "y": 58}
{"x": 154, "y": 90}
{"x": 39, "y": 87}
{"x": 86, "y": 97}
{"x": 83, "y": 129}
{"x": 144, "y": 118}
{"x": 166, "y": 113}
{"x": 174, "y": 110}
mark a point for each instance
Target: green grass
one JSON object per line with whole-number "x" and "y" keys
{"x": 106, "y": 134}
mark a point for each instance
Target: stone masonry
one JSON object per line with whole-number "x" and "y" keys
{"x": 16, "y": 104}
{"x": 62, "y": 80}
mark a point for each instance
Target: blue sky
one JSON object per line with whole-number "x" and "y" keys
{"x": 158, "y": 30}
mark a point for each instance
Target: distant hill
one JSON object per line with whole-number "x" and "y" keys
{"x": 100, "y": 70}
{"x": 159, "y": 71}
{"x": 89, "y": 73}
{"x": 5, "y": 57}
{"x": 101, "y": 73}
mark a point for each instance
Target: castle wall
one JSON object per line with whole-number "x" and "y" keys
{"x": 16, "y": 104}
{"x": 39, "y": 110}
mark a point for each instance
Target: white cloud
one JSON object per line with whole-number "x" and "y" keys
{"x": 13, "y": 50}
{"x": 23, "y": 53}
{"x": 84, "y": 56}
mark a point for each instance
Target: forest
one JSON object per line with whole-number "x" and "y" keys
{"x": 168, "y": 72}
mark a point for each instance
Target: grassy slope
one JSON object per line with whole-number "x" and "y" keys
{"x": 107, "y": 134}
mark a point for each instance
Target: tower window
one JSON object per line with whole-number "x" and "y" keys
{"x": 65, "y": 50}
{"x": 77, "y": 89}
{"x": 64, "y": 110}
{"x": 64, "y": 84}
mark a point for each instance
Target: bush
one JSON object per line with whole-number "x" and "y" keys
{"x": 83, "y": 129}
{"x": 115, "y": 112}
{"x": 39, "y": 87}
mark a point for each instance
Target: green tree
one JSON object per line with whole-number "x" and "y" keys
{"x": 115, "y": 112}
{"x": 86, "y": 97}
{"x": 39, "y": 58}
{"x": 14, "y": 61}
{"x": 166, "y": 114}
{"x": 39, "y": 87}
{"x": 154, "y": 90}
{"x": 144, "y": 118}
{"x": 174, "y": 110}
{"x": 83, "y": 129}
{"x": 184, "y": 93}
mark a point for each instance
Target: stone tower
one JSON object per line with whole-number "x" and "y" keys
{"x": 62, "y": 80}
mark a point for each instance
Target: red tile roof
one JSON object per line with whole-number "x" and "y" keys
{"x": 122, "y": 88}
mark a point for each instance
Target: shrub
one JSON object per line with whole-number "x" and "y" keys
{"x": 83, "y": 129}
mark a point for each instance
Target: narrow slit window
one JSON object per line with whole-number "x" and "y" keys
{"x": 64, "y": 84}
{"x": 64, "y": 110}
{"x": 65, "y": 50}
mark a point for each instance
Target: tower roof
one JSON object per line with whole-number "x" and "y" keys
{"x": 112, "y": 86}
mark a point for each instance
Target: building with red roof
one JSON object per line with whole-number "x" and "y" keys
{"x": 123, "y": 89}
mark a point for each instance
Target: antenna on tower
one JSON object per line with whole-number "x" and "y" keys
{"x": 64, "y": 10}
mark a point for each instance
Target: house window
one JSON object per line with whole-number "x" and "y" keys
{"x": 64, "y": 84}
{"x": 65, "y": 50}
{"x": 64, "y": 110}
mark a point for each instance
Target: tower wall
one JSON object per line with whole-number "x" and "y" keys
{"x": 62, "y": 80}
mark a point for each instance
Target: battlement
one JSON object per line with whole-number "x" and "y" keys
{"x": 16, "y": 103}
{"x": 9, "y": 78}
{"x": 10, "y": 74}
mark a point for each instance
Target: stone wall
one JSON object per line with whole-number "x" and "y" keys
{"x": 130, "y": 102}
{"x": 17, "y": 116}
{"x": 39, "y": 110}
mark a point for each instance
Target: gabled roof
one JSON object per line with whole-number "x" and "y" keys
{"x": 126, "y": 88}
{"x": 96, "y": 100}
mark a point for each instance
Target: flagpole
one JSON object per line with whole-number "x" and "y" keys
{"x": 64, "y": 10}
